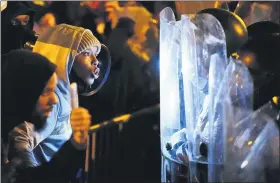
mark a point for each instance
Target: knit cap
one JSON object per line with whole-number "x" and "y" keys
{"x": 88, "y": 41}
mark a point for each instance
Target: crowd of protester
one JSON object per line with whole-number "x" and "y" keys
{"x": 130, "y": 31}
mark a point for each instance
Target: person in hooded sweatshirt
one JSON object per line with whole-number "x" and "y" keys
{"x": 131, "y": 86}
{"x": 71, "y": 49}
{"x": 16, "y": 26}
{"x": 28, "y": 94}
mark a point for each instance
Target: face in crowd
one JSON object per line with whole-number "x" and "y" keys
{"x": 86, "y": 66}
{"x": 46, "y": 101}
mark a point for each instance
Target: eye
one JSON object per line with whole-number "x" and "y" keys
{"x": 25, "y": 22}
{"x": 86, "y": 54}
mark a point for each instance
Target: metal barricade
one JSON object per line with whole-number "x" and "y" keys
{"x": 119, "y": 151}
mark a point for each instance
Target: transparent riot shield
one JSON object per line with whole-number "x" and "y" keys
{"x": 202, "y": 43}
{"x": 170, "y": 40}
{"x": 186, "y": 48}
{"x": 231, "y": 99}
{"x": 169, "y": 80}
{"x": 253, "y": 148}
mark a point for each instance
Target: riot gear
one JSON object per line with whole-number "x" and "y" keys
{"x": 260, "y": 54}
{"x": 235, "y": 29}
{"x": 213, "y": 134}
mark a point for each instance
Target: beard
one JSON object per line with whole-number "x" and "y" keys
{"x": 38, "y": 121}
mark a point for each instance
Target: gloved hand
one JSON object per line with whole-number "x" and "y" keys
{"x": 80, "y": 120}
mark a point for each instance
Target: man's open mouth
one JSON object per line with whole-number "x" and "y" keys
{"x": 95, "y": 74}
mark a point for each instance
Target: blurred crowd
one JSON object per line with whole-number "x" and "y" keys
{"x": 130, "y": 31}
{"x": 101, "y": 17}
{"x": 141, "y": 39}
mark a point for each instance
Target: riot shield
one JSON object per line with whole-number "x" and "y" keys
{"x": 170, "y": 46}
{"x": 208, "y": 45}
{"x": 253, "y": 148}
{"x": 231, "y": 99}
{"x": 246, "y": 143}
{"x": 203, "y": 97}
{"x": 184, "y": 75}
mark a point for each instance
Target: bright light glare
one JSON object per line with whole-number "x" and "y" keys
{"x": 244, "y": 164}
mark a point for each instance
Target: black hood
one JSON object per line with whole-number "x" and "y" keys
{"x": 14, "y": 37}
{"x": 24, "y": 76}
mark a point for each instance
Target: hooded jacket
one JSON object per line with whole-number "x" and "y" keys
{"x": 24, "y": 76}
{"x": 130, "y": 86}
{"x": 15, "y": 36}
{"x": 59, "y": 44}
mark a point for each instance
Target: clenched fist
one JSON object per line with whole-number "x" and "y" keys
{"x": 80, "y": 120}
